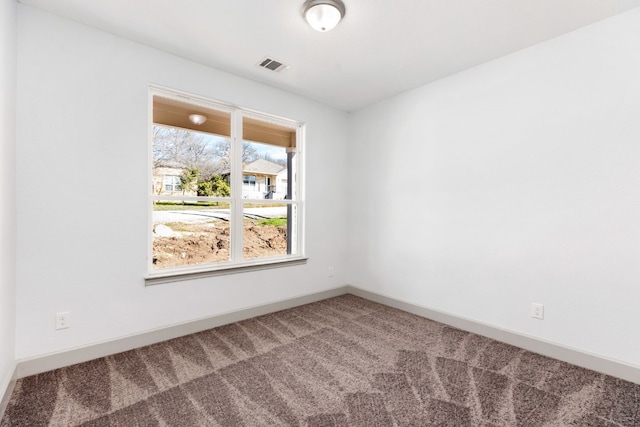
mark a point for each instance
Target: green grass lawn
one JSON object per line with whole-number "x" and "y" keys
{"x": 278, "y": 222}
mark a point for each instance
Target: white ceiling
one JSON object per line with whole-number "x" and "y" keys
{"x": 381, "y": 48}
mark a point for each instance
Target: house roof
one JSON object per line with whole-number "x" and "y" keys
{"x": 263, "y": 167}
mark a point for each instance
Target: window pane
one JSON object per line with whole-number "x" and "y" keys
{"x": 264, "y": 171}
{"x": 220, "y": 172}
{"x": 265, "y": 230}
{"x": 191, "y": 163}
{"x": 190, "y": 233}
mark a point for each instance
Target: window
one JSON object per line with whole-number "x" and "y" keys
{"x": 213, "y": 205}
{"x": 171, "y": 183}
{"x": 249, "y": 180}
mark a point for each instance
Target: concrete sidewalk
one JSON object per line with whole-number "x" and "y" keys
{"x": 204, "y": 215}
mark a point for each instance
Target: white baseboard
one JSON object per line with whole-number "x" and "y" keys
{"x": 595, "y": 362}
{"x": 92, "y": 351}
{"x": 6, "y": 388}
{"x": 599, "y": 363}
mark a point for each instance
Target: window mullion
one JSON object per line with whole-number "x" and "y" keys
{"x": 299, "y": 189}
{"x": 237, "y": 223}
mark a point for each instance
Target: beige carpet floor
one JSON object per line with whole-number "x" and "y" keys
{"x": 344, "y": 361}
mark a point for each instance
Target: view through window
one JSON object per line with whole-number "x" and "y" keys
{"x": 225, "y": 186}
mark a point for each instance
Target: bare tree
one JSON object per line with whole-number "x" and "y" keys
{"x": 223, "y": 152}
{"x": 183, "y": 148}
{"x": 277, "y": 160}
{"x": 174, "y": 147}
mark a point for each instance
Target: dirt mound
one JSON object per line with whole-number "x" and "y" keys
{"x": 204, "y": 243}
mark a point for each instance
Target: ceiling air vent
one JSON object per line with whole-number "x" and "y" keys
{"x": 272, "y": 64}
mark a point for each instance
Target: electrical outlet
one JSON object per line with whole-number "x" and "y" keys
{"x": 331, "y": 271}
{"x": 537, "y": 311}
{"x": 63, "y": 320}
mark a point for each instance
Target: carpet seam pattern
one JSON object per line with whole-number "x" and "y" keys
{"x": 344, "y": 361}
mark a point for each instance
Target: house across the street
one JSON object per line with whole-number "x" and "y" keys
{"x": 263, "y": 179}
{"x": 166, "y": 181}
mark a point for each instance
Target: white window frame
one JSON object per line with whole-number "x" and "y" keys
{"x": 236, "y": 263}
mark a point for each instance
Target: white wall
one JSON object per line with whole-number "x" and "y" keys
{"x": 7, "y": 190}
{"x": 513, "y": 182}
{"x": 82, "y": 234}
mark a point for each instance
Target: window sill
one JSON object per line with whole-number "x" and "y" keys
{"x": 177, "y": 276}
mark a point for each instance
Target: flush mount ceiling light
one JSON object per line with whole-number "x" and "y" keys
{"x": 197, "y": 119}
{"x": 323, "y": 15}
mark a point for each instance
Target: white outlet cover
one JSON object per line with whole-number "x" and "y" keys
{"x": 537, "y": 311}
{"x": 63, "y": 320}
